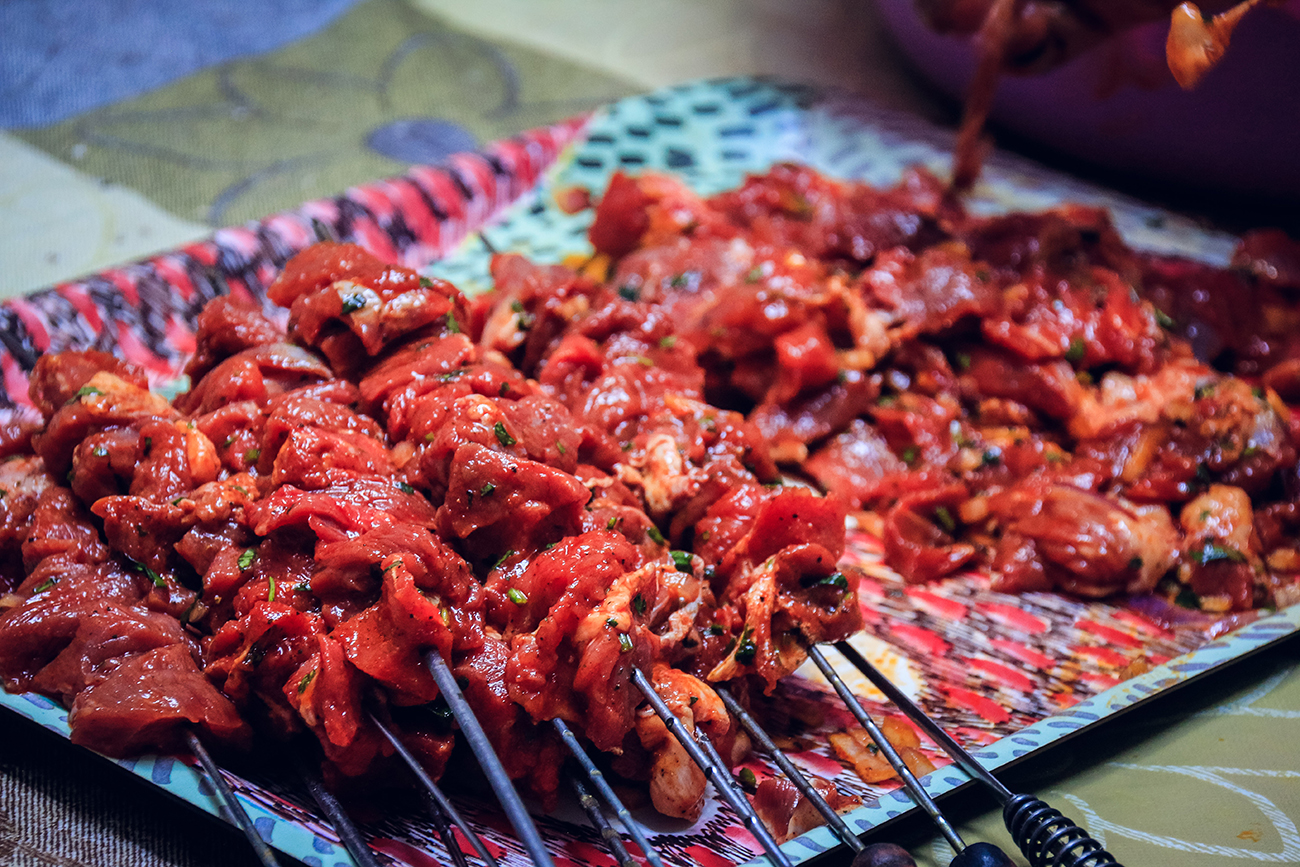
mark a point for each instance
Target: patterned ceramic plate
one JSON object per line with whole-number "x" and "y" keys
{"x": 1008, "y": 675}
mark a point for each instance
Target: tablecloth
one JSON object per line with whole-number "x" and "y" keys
{"x": 137, "y": 125}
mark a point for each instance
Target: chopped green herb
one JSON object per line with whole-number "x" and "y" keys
{"x": 748, "y": 781}
{"x": 982, "y": 275}
{"x": 559, "y": 447}
{"x": 645, "y": 361}
{"x": 405, "y": 488}
{"x": 353, "y": 303}
{"x": 503, "y": 435}
{"x": 99, "y": 452}
{"x": 428, "y": 438}
{"x": 505, "y": 387}
{"x": 85, "y": 391}
{"x": 548, "y": 546}
{"x": 1075, "y": 350}
{"x": 1135, "y": 563}
{"x": 1250, "y": 451}
{"x": 668, "y": 342}
{"x": 503, "y": 558}
{"x": 486, "y": 490}
{"x": 611, "y": 622}
{"x": 1187, "y": 598}
{"x": 612, "y": 523}
{"x": 1164, "y": 320}
{"x": 627, "y": 446}
{"x": 679, "y": 281}
{"x": 230, "y": 440}
{"x": 746, "y": 649}
{"x": 524, "y": 321}
{"x": 516, "y": 306}
{"x": 452, "y": 325}
{"x": 624, "y": 643}
{"x": 715, "y": 629}
{"x": 246, "y": 559}
{"x": 755, "y": 274}
{"x": 836, "y": 580}
{"x": 629, "y": 293}
{"x": 1257, "y": 392}
{"x": 706, "y": 536}
{"x": 517, "y": 596}
{"x": 638, "y": 605}
{"x": 693, "y": 700}
{"x": 252, "y": 455}
{"x": 910, "y": 454}
{"x": 43, "y": 586}
{"x": 303, "y": 587}
{"x": 944, "y": 517}
{"x": 270, "y": 596}
{"x": 426, "y": 282}
{"x": 655, "y": 535}
{"x": 963, "y": 360}
{"x": 306, "y": 681}
{"x": 991, "y": 457}
{"x": 1212, "y": 552}
{"x": 682, "y": 560}
{"x": 887, "y": 400}
{"x": 154, "y": 577}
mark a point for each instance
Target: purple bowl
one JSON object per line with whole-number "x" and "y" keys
{"x": 1117, "y": 106}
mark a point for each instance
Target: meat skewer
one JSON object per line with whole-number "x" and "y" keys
{"x": 233, "y": 805}
{"x": 702, "y": 752}
{"x": 488, "y": 760}
{"x": 975, "y": 855}
{"x": 442, "y": 809}
{"x": 347, "y": 830}
{"x": 788, "y": 768}
{"x": 597, "y": 779}
{"x": 1043, "y": 834}
{"x": 607, "y": 833}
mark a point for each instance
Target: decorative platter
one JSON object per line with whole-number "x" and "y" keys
{"x": 1008, "y": 675}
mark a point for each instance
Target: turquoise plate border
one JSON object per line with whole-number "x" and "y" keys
{"x": 711, "y": 134}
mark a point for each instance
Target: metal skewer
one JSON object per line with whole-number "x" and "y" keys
{"x": 488, "y": 760}
{"x": 792, "y": 773}
{"x": 914, "y": 787}
{"x": 333, "y": 810}
{"x": 597, "y": 779}
{"x": 442, "y": 807}
{"x": 1044, "y": 835}
{"x": 701, "y": 751}
{"x": 233, "y": 806}
{"x": 607, "y": 833}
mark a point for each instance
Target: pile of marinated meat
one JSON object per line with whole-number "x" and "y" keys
{"x": 580, "y": 472}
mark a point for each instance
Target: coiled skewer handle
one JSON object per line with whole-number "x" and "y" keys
{"x": 1048, "y": 838}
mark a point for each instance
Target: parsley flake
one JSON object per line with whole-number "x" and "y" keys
{"x": 503, "y": 435}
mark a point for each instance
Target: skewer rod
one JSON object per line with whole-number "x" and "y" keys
{"x": 706, "y": 757}
{"x": 488, "y": 760}
{"x": 945, "y": 741}
{"x": 914, "y": 787}
{"x": 444, "y": 806}
{"x": 788, "y": 768}
{"x": 606, "y": 791}
{"x": 233, "y": 805}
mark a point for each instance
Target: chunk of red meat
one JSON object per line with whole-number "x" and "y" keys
{"x": 527, "y": 751}
{"x": 326, "y": 692}
{"x": 852, "y": 464}
{"x": 147, "y": 701}
{"x": 106, "y": 632}
{"x": 497, "y": 502}
{"x": 411, "y": 371}
{"x": 258, "y": 373}
{"x": 107, "y": 401}
{"x": 916, "y": 542}
{"x": 621, "y": 217}
{"x": 1090, "y": 545}
{"x": 1271, "y": 256}
{"x": 60, "y": 526}
{"x": 930, "y": 292}
{"x": 252, "y": 658}
{"x": 1049, "y": 387}
{"x": 314, "y": 459}
{"x": 57, "y": 377}
{"x": 810, "y": 419}
{"x": 226, "y": 326}
{"x": 294, "y": 411}
{"x": 350, "y": 505}
{"x": 23, "y": 482}
{"x": 18, "y": 424}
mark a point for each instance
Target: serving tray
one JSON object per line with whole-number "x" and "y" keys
{"x": 1006, "y": 674}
